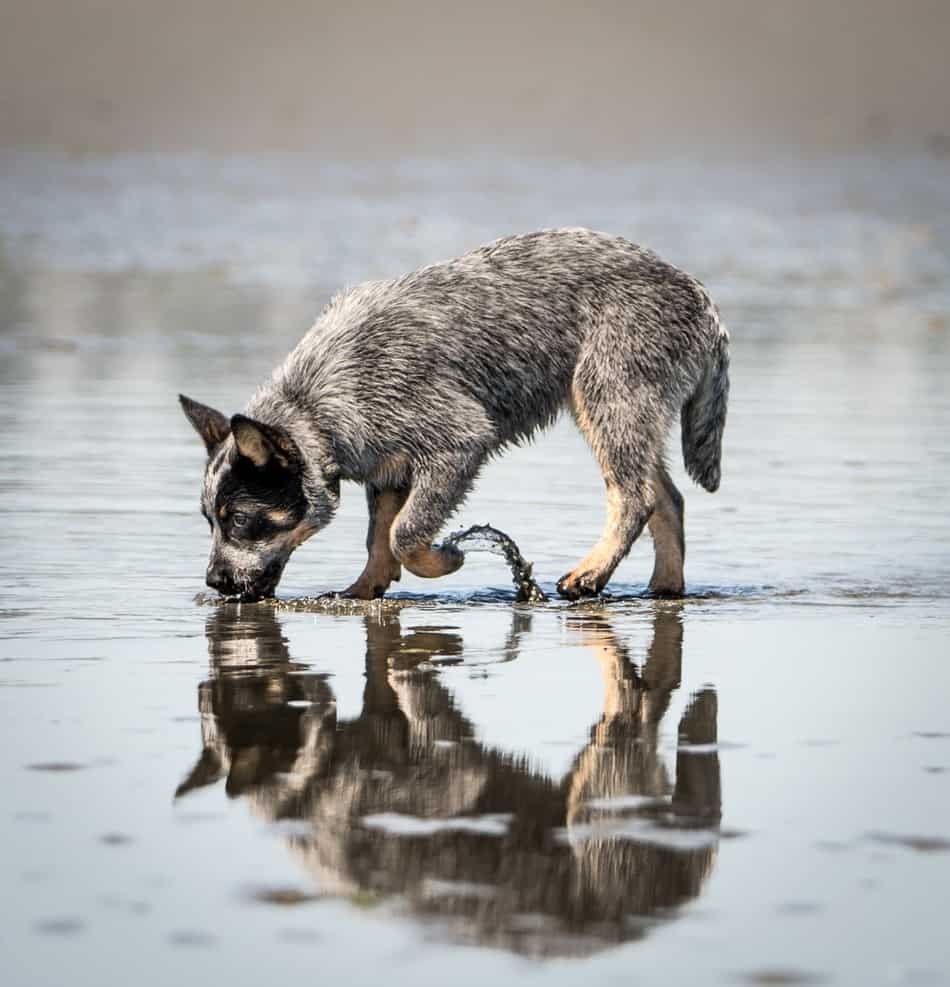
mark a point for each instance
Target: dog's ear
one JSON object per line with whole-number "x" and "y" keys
{"x": 262, "y": 444}
{"x": 211, "y": 425}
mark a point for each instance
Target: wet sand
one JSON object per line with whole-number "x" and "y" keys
{"x": 751, "y": 785}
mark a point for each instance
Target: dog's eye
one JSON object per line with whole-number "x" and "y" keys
{"x": 239, "y": 520}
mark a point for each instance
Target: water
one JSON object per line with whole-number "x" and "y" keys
{"x": 485, "y": 538}
{"x": 751, "y": 785}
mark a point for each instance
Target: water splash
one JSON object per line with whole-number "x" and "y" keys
{"x": 485, "y": 538}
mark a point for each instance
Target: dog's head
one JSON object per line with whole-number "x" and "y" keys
{"x": 258, "y": 498}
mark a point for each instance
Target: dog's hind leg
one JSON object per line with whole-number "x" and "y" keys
{"x": 627, "y": 512}
{"x": 625, "y": 426}
{"x": 433, "y": 498}
{"x": 669, "y": 541}
{"x": 382, "y": 567}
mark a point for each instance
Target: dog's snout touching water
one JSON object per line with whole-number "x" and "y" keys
{"x": 409, "y": 386}
{"x": 220, "y": 580}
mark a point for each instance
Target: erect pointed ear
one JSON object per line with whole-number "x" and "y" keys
{"x": 211, "y": 425}
{"x": 262, "y": 443}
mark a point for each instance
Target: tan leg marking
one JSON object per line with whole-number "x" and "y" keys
{"x": 430, "y": 563}
{"x": 590, "y": 575}
{"x": 382, "y": 567}
{"x": 423, "y": 514}
{"x": 669, "y": 542}
{"x": 627, "y": 513}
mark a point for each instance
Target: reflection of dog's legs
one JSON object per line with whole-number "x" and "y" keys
{"x": 317, "y": 736}
{"x": 428, "y": 708}
{"x": 620, "y": 679}
{"x": 520, "y": 625}
{"x": 622, "y": 757}
{"x": 669, "y": 542}
{"x": 615, "y": 762}
{"x": 383, "y": 635}
{"x": 664, "y": 665}
{"x": 382, "y": 567}
{"x": 395, "y": 690}
{"x": 698, "y": 791}
{"x": 432, "y": 500}
{"x": 627, "y": 693}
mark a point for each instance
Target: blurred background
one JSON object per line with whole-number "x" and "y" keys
{"x": 607, "y": 77}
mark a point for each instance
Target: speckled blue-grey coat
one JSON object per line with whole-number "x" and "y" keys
{"x": 408, "y": 386}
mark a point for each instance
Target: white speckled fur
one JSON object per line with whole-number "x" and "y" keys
{"x": 411, "y": 384}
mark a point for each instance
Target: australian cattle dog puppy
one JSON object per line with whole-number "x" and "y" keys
{"x": 409, "y": 386}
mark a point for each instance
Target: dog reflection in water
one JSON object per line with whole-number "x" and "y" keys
{"x": 403, "y": 801}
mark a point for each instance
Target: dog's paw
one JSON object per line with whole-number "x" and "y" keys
{"x": 344, "y": 594}
{"x": 577, "y": 585}
{"x": 361, "y": 590}
{"x": 330, "y": 594}
{"x": 454, "y": 558}
{"x": 666, "y": 590}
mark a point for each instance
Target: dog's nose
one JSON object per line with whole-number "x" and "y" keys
{"x": 218, "y": 579}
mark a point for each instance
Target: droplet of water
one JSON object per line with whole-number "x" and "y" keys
{"x": 485, "y": 538}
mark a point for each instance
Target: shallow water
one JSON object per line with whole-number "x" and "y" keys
{"x": 751, "y": 785}
{"x": 485, "y": 538}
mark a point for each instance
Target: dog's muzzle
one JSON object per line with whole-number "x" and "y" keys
{"x": 220, "y": 579}
{"x": 263, "y": 584}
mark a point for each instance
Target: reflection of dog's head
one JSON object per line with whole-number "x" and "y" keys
{"x": 260, "y": 500}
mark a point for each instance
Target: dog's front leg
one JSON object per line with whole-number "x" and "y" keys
{"x": 433, "y": 498}
{"x": 382, "y": 567}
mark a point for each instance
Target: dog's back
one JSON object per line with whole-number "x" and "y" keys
{"x": 484, "y": 348}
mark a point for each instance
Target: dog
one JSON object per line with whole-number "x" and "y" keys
{"x": 408, "y": 386}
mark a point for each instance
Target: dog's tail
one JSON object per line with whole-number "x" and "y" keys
{"x": 704, "y": 413}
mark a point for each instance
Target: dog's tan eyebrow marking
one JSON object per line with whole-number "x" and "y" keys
{"x": 223, "y": 511}
{"x": 280, "y": 518}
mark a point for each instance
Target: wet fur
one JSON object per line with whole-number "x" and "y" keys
{"x": 408, "y": 386}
